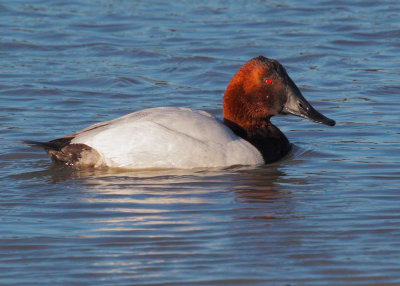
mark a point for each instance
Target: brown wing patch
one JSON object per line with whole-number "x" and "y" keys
{"x": 76, "y": 155}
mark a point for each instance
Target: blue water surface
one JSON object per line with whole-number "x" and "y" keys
{"x": 328, "y": 214}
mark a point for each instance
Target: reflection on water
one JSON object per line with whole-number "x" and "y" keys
{"x": 328, "y": 214}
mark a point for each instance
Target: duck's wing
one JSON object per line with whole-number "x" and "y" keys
{"x": 168, "y": 137}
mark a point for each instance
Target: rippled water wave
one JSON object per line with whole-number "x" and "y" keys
{"x": 327, "y": 214}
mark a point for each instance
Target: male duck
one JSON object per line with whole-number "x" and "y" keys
{"x": 168, "y": 137}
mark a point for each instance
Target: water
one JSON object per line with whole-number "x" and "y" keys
{"x": 328, "y": 214}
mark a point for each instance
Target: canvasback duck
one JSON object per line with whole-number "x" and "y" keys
{"x": 168, "y": 137}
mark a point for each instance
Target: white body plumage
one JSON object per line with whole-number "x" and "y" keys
{"x": 167, "y": 137}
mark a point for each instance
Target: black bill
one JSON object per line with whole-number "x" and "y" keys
{"x": 296, "y": 104}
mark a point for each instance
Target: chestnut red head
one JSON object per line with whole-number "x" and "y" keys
{"x": 261, "y": 89}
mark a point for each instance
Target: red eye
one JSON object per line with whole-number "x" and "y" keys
{"x": 267, "y": 81}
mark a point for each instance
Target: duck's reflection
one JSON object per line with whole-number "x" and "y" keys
{"x": 258, "y": 185}
{"x": 249, "y": 184}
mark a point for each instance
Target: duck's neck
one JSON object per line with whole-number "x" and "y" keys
{"x": 266, "y": 137}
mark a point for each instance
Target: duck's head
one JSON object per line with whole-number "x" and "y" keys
{"x": 261, "y": 89}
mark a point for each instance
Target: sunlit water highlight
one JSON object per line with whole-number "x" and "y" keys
{"x": 328, "y": 214}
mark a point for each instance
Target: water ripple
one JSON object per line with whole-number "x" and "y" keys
{"x": 327, "y": 214}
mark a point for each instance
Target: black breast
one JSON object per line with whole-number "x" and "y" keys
{"x": 269, "y": 140}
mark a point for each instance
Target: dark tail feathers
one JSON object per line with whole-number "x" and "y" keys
{"x": 56, "y": 144}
